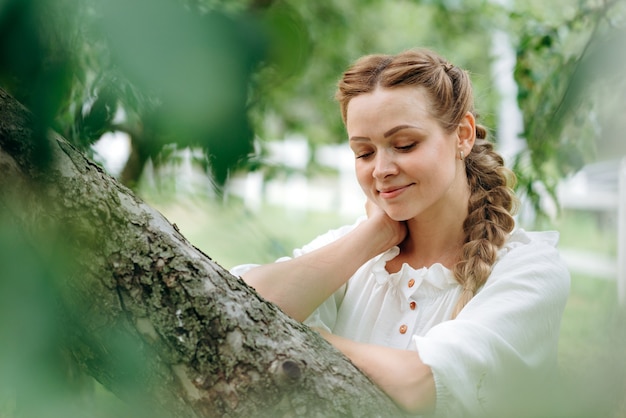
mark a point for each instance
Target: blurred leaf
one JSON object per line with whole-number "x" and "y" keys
{"x": 35, "y": 62}
{"x": 30, "y": 327}
{"x": 199, "y": 68}
{"x": 604, "y": 60}
{"x": 561, "y": 69}
{"x": 289, "y": 42}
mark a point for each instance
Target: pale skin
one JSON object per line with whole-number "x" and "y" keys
{"x": 411, "y": 172}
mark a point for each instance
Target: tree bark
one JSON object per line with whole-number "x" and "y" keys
{"x": 153, "y": 318}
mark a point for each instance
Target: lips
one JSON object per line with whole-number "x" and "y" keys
{"x": 393, "y": 191}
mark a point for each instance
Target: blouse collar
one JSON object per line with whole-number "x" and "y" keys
{"x": 438, "y": 275}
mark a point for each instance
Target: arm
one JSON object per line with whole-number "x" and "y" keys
{"x": 500, "y": 353}
{"x": 400, "y": 373}
{"x": 301, "y": 284}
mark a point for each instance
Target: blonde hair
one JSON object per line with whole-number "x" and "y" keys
{"x": 492, "y": 201}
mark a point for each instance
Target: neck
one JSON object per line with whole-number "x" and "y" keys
{"x": 427, "y": 244}
{"x": 437, "y": 238}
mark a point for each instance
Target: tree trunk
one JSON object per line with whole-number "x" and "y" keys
{"x": 154, "y": 319}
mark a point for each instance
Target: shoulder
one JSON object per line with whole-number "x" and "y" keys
{"x": 523, "y": 246}
{"x": 534, "y": 258}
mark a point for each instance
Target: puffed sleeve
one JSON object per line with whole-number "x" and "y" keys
{"x": 325, "y": 315}
{"x": 503, "y": 345}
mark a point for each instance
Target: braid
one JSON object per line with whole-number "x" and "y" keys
{"x": 489, "y": 218}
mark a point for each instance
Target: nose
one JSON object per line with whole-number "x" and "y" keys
{"x": 384, "y": 165}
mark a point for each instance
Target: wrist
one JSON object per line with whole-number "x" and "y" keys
{"x": 376, "y": 236}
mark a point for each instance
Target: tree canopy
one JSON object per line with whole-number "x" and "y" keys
{"x": 216, "y": 75}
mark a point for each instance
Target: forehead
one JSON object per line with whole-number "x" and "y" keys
{"x": 386, "y": 107}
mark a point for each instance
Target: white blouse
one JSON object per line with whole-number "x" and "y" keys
{"x": 503, "y": 343}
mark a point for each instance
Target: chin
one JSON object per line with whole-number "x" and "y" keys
{"x": 399, "y": 217}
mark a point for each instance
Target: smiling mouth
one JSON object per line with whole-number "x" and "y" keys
{"x": 391, "y": 193}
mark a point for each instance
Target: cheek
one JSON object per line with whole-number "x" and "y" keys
{"x": 437, "y": 161}
{"x": 363, "y": 176}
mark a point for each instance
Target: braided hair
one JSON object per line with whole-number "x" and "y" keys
{"x": 492, "y": 201}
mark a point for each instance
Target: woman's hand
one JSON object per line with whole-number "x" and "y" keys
{"x": 394, "y": 231}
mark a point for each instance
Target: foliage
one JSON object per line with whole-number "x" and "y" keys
{"x": 175, "y": 75}
{"x": 339, "y": 32}
{"x": 215, "y": 74}
{"x": 563, "y": 69}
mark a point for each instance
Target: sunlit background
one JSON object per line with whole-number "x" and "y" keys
{"x": 222, "y": 116}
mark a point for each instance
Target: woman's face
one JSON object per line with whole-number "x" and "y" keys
{"x": 405, "y": 162}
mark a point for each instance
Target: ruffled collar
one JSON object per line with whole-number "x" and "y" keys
{"x": 436, "y": 275}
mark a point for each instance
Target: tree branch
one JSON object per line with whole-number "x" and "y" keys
{"x": 201, "y": 342}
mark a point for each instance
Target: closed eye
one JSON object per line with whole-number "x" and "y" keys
{"x": 407, "y": 147}
{"x": 364, "y": 155}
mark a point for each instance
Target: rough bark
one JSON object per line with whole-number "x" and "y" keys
{"x": 209, "y": 345}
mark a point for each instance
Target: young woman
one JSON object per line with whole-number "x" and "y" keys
{"x": 435, "y": 295}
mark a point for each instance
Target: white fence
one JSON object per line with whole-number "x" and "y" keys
{"x": 600, "y": 187}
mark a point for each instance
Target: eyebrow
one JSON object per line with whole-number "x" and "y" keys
{"x": 359, "y": 138}
{"x": 386, "y": 134}
{"x": 398, "y": 128}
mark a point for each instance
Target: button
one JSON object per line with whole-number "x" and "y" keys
{"x": 411, "y": 283}
{"x": 412, "y": 305}
{"x": 403, "y": 329}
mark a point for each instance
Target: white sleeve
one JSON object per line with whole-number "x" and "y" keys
{"x": 325, "y": 315}
{"x": 505, "y": 340}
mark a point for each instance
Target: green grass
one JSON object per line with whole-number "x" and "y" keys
{"x": 589, "y": 231}
{"x": 592, "y": 347}
{"x": 231, "y": 234}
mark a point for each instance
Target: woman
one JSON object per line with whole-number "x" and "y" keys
{"x": 433, "y": 294}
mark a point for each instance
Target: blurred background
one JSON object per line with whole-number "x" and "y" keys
{"x": 221, "y": 115}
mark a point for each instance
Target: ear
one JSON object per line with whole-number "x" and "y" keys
{"x": 466, "y": 133}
